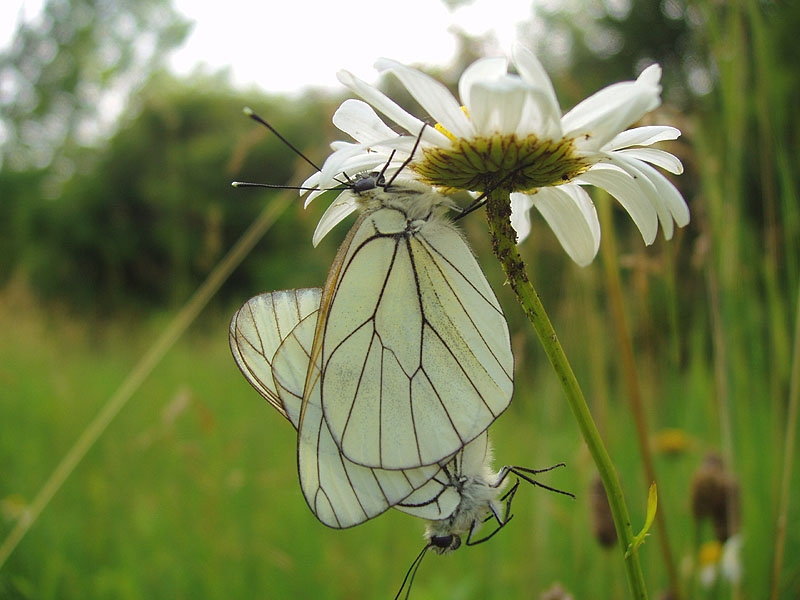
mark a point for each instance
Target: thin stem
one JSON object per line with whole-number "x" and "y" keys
{"x": 788, "y": 459}
{"x": 498, "y": 211}
{"x": 608, "y": 251}
{"x": 142, "y": 371}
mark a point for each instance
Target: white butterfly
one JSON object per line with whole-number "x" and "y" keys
{"x": 411, "y": 357}
{"x": 270, "y": 338}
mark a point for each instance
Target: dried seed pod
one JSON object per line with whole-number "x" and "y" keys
{"x": 600, "y": 513}
{"x": 715, "y": 496}
{"x": 556, "y": 592}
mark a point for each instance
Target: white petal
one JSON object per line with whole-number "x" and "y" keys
{"x": 643, "y": 136}
{"x": 358, "y": 120}
{"x": 313, "y": 181}
{"x": 648, "y": 188}
{"x": 497, "y": 106}
{"x": 538, "y": 119}
{"x": 344, "y": 204}
{"x": 364, "y": 163}
{"x": 313, "y": 195}
{"x": 533, "y": 73}
{"x": 654, "y": 156}
{"x": 670, "y": 195}
{"x": 340, "y": 161}
{"x": 572, "y": 217}
{"x": 482, "y": 70}
{"x": 651, "y": 75}
{"x": 391, "y": 109}
{"x": 343, "y": 153}
{"x": 606, "y": 113}
{"x": 434, "y": 97}
{"x": 340, "y": 144}
{"x": 730, "y": 561}
{"x": 629, "y": 194}
{"x": 708, "y": 575}
{"x": 665, "y": 198}
{"x": 520, "y": 215}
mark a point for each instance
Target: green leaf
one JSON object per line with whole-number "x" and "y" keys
{"x": 652, "y": 505}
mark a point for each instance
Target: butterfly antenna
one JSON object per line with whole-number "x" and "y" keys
{"x": 411, "y": 574}
{"x": 386, "y": 166}
{"x": 250, "y": 113}
{"x": 407, "y": 161}
{"x": 245, "y": 184}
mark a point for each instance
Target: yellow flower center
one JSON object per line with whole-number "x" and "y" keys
{"x": 710, "y": 553}
{"x": 502, "y": 161}
{"x": 672, "y": 441}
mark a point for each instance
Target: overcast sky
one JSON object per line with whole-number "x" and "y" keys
{"x": 284, "y": 46}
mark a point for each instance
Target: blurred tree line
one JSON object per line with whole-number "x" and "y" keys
{"x": 135, "y": 212}
{"x": 155, "y": 211}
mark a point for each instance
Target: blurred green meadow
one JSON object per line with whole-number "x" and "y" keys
{"x": 192, "y": 491}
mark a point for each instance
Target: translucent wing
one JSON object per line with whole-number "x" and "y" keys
{"x": 414, "y": 350}
{"x": 258, "y": 328}
{"x": 271, "y": 338}
{"x": 338, "y": 491}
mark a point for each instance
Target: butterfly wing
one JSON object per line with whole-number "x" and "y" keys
{"x": 271, "y": 337}
{"x": 256, "y": 332}
{"x": 339, "y": 492}
{"x": 414, "y": 350}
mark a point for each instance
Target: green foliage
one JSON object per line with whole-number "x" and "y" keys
{"x": 16, "y": 217}
{"x": 156, "y": 211}
{"x": 62, "y": 70}
{"x": 193, "y": 491}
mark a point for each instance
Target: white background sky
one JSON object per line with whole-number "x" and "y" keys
{"x": 286, "y": 45}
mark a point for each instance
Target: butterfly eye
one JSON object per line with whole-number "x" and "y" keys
{"x": 367, "y": 182}
{"x": 445, "y": 543}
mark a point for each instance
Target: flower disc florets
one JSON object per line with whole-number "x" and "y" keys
{"x": 500, "y": 162}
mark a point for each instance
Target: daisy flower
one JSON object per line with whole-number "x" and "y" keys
{"x": 720, "y": 560}
{"x": 507, "y": 134}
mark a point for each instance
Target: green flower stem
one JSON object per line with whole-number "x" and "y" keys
{"x": 498, "y": 211}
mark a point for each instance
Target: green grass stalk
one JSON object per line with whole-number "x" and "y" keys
{"x": 608, "y": 252}
{"x": 788, "y": 459}
{"x": 504, "y": 245}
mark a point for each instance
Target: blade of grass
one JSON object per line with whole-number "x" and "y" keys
{"x": 176, "y": 328}
{"x": 788, "y": 458}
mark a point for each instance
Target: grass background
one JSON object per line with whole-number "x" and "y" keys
{"x": 192, "y": 492}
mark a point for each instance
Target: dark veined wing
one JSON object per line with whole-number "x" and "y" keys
{"x": 258, "y": 328}
{"x": 414, "y": 350}
{"x": 271, "y": 338}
